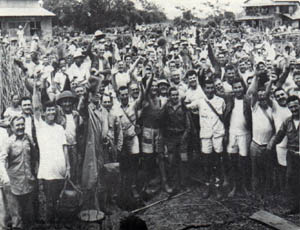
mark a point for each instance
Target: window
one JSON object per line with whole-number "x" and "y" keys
{"x": 284, "y": 9}
{"x": 35, "y": 27}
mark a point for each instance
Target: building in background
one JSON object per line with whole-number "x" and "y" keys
{"x": 27, "y": 13}
{"x": 261, "y": 14}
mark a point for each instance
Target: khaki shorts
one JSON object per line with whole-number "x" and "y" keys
{"x": 210, "y": 144}
{"x": 152, "y": 141}
{"x": 175, "y": 147}
{"x": 239, "y": 144}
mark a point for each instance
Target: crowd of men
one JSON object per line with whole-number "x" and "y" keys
{"x": 172, "y": 107}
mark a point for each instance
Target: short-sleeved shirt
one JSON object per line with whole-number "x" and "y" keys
{"x": 210, "y": 123}
{"x": 18, "y": 154}
{"x": 51, "y": 139}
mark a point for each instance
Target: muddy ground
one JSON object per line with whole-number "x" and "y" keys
{"x": 190, "y": 211}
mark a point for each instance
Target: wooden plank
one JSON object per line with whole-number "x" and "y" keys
{"x": 273, "y": 221}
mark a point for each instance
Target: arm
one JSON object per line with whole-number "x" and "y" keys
{"x": 276, "y": 139}
{"x": 36, "y": 102}
{"x": 3, "y": 159}
{"x": 213, "y": 59}
{"x": 252, "y": 90}
{"x": 130, "y": 71}
{"x": 68, "y": 167}
{"x": 283, "y": 77}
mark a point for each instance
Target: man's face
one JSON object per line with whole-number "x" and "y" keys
{"x": 154, "y": 89}
{"x": 209, "y": 90}
{"x": 221, "y": 58}
{"x": 238, "y": 90}
{"x": 261, "y": 95}
{"x": 128, "y": 61}
{"x": 78, "y": 60}
{"x": 297, "y": 80}
{"x": 174, "y": 97}
{"x": 100, "y": 51}
{"x": 15, "y": 101}
{"x": 106, "y": 102}
{"x": 193, "y": 80}
{"x": 261, "y": 66}
{"x": 26, "y": 107}
{"x": 294, "y": 107}
{"x": 172, "y": 66}
{"x": 242, "y": 67}
{"x": 230, "y": 73}
{"x": 66, "y": 104}
{"x": 121, "y": 66}
{"x": 281, "y": 97}
{"x": 79, "y": 91}
{"x": 163, "y": 89}
{"x": 124, "y": 97}
{"x": 219, "y": 87}
{"x": 176, "y": 78}
{"x": 50, "y": 114}
{"x": 18, "y": 127}
{"x": 135, "y": 91}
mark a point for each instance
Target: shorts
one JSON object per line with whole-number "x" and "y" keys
{"x": 281, "y": 155}
{"x": 174, "y": 146}
{"x": 132, "y": 145}
{"x": 152, "y": 141}
{"x": 210, "y": 144}
{"x": 239, "y": 144}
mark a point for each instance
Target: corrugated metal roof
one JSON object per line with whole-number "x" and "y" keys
{"x": 23, "y": 12}
{"x": 253, "y": 3}
{"x": 246, "y": 18}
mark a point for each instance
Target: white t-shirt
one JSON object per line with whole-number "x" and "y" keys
{"x": 51, "y": 139}
{"x": 262, "y": 128}
{"x": 238, "y": 120}
{"x": 82, "y": 73}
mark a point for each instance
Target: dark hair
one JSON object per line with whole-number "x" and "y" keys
{"x": 172, "y": 89}
{"x": 278, "y": 89}
{"x": 17, "y": 117}
{"x": 292, "y": 98}
{"x": 133, "y": 223}
{"x": 296, "y": 73}
{"x": 25, "y": 99}
{"x": 49, "y": 104}
{"x": 208, "y": 81}
{"x": 123, "y": 88}
{"x": 229, "y": 67}
{"x": 190, "y": 73}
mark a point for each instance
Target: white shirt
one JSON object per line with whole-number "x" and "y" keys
{"x": 3, "y": 141}
{"x": 262, "y": 128}
{"x": 28, "y": 125}
{"x": 70, "y": 129}
{"x": 210, "y": 124}
{"x": 51, "y": 139}
{"x": 60, "y": 80}
{"x": 82, "y": 73}
{"x": 238, "y": 120}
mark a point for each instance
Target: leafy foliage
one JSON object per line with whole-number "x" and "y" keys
{"x": 90, "y": 15}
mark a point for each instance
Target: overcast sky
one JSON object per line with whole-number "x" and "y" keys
{"x": 197, "y": 7}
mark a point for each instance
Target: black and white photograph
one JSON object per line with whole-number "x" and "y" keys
{"x": 149, "y": 114}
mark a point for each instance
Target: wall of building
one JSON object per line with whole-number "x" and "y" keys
{"x": 10, "y": 25}
{"x": 19, "y": 3}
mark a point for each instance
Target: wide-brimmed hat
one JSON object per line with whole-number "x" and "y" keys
{"x": 65, "y": 94}
{"x": 77, "y": 54}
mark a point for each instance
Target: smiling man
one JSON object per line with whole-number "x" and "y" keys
{"x": 54, "y": 159}
{"x": 17, "y": 157}
{"x": 290, "y": 129}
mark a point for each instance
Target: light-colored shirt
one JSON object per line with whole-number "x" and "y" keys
{"x": 237, "y": 119}
{"x": 262, "y": 127}
{"x": 70, "y": 129}
{"x": 51, "y": 139}
{"x": 82, "y": 73}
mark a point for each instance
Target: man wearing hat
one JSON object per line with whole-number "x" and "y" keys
{"x": 20, "y": 34}
{"x": 78, "y": 71}
{"x": 71, "y": 121}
